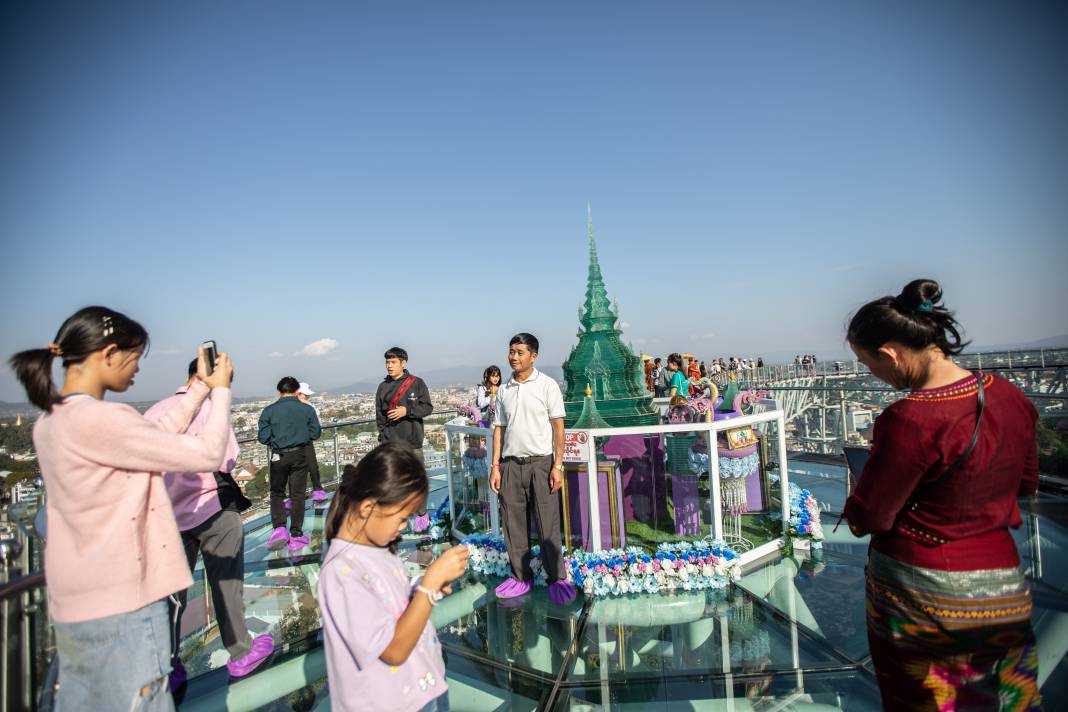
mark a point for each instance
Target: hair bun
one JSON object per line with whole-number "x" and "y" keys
{"x": 917, "y": 292}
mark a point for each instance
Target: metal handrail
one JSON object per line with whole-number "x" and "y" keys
{"x": 878, "y": 389}
{"x": 347, "y": 423}
{"x": 21, "y": 584}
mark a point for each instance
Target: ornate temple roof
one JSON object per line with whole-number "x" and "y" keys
{"x": 601, "y": 361}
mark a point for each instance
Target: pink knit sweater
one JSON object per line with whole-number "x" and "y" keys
{"x": 113, "y": 545}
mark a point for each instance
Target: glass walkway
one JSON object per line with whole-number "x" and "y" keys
{"x": 790, "y": 635}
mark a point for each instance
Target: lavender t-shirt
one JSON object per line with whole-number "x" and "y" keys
{"x": 363, "y": 590}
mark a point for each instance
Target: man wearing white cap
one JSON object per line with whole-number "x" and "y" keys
{"x": 318, "y": 494}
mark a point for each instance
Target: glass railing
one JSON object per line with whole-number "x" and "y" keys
{"x": 997, "y": 361}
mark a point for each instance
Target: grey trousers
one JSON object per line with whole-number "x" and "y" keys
{"x": 524, "y": 487}
{"x": 221, "y": 541}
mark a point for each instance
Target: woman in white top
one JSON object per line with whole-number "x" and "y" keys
{"x": 487, "y": 390}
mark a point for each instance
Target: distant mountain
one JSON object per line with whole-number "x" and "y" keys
{"x": 361, "y": 387}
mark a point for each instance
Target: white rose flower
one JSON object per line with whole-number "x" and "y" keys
{"x": 721, "y": 567}
{"x": 707, "y": 570}
{"x": 624, "y": 586}
{"x": 633, "y": 570}
{"x": 587, "y": 585}
{"x": 659, "y": 576}
{"x": 691, "y": 569}
{"x": 684, "y": 574}
{"x": 609, "y": 581}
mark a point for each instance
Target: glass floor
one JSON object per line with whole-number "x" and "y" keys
{"x": 789, "y": 636}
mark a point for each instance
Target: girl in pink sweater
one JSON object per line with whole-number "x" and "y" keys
{"x": 114, "y": 553}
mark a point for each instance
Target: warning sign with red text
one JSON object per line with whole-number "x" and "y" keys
{"x": 576, "y": 446}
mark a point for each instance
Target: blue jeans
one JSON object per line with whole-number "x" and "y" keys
{"x": 116, "y": 663}
{"x": 438, "y": 704}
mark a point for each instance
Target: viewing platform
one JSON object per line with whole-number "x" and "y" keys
{"x": 788, "y": 633}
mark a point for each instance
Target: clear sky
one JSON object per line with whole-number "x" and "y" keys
{"x": 277, "y": 174}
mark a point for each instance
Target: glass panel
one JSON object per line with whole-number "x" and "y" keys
{"x": 650, "y": 490}
{"x": 798, "y": 587}
{"x": 688, "y": 633}
{"x": 468, "y": 466}
{"x": 845, "y": 690}
{"x": 529, "y": 633}
{"x": 750, "y": 487}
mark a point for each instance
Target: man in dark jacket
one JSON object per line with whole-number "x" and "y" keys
{"x": 401, "y": 403}
{"x": 287, "y": 426}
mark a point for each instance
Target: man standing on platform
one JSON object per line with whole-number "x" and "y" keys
{"x": 528, "y": 469}
{"x": 401, "y": 403}
{"x": 288, "y": 426}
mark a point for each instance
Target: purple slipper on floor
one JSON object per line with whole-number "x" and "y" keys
{"x": 262, "y": 647}
{"x": 178, "y": 676}
{"x": 512, "y": 588}
{"x": 278, "y": 539}
{"x": 561, "y": 592}
{"x": 298, "y": 542}
{"x": 318, "y": 495}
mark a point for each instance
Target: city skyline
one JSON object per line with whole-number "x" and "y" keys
{"x": 311, "y": 187}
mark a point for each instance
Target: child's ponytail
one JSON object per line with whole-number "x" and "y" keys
{"x": 86, "y": 331}
{"x": 33, "y": 368}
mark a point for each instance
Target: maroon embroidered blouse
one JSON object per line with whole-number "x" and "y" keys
{"x": 961, "y": 524}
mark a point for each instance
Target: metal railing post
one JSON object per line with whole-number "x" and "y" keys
{"x": 337, "y": 464}
{"x": 595, "y": 496}
{"x": 716, "y": 498}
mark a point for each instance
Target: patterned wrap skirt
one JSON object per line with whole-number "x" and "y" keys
{"x": 951, "y": 640}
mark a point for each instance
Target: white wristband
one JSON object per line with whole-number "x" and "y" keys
{"x": 432, "y": 596}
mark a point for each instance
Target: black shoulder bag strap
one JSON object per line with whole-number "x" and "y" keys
{"x": 980, "y": 403}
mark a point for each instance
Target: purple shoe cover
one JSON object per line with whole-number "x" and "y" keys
{"x": 178, "y": 676}
{"x": 289, "y": 504}
{"x": 279, "y": 537}
{"x": 561, "y": 592}
{"x": 262, "y": 647}
{"x": 513, "y": 588}
{"x": 318, "y": 496}
{"x": 298, "y": 542}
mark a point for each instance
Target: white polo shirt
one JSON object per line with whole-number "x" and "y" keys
{"x": 525, "y": 409}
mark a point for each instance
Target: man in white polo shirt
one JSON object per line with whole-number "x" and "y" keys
{"x": 528, "y": 464}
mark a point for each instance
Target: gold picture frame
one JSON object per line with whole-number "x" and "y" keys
{"x": 739, "y": 438}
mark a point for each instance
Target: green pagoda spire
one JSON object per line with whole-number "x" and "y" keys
{"x": 601, "y": 361}
{"x": 590, "y": 417}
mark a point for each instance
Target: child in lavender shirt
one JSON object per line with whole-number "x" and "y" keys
{"x": 382, "y": 653}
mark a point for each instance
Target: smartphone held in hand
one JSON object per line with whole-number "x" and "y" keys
{"x": 211, "y": 353}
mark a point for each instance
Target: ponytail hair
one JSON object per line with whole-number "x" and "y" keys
{"x": 391, "y": 474}
{"x": 915, "y": 318}
{"x": 85, "y": 332}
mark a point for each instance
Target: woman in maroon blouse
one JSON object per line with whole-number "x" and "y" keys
{"x": 949, "y": 613}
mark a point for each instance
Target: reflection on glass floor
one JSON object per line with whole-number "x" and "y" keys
{"x": 791, "y": 635}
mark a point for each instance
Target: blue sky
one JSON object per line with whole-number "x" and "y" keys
{"x": 272, "y": 175}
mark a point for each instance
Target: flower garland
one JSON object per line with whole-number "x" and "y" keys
{"x": 474, "y": 462}
{"x": 805, "y": 516}
{"x": 682, "y": 566}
